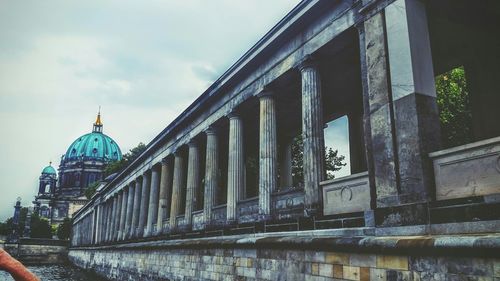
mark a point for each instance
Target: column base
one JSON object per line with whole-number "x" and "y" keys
{"x": 312, "y": 211}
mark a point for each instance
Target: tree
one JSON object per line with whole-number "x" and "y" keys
{"x": 117, "y": 166}
{"x": 333, "y": 161}
{"x": 40, "y": 227}
{"x": 64, "y": 229}
{"x": 91, "y": 189}
{"x": 454, "y": 108}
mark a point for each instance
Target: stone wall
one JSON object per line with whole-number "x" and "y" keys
{"x": 296, "y": 258}
{"x": 39, "y": 251}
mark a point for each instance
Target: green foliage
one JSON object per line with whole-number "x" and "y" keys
{"x": 4, "y": 228}
{"x": 454, "y": 108}
{"x": 333, "y": 161}
{"x": 117, "y": 166}
{"x": 297, "y": 161}
{"x": 40, "y": 227}
{"x": 91, "y": 189}
{"x": 64, "y": 229}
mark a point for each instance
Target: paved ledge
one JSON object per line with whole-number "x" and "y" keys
{"x": 483, "y": 245}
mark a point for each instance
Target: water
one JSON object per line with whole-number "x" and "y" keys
{"x": 56, "y": 273}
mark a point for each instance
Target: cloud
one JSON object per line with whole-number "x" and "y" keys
{"x": 144, "y": 63}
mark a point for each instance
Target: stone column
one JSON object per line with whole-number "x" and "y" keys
{"x": 178, "y": 183}
{"x": 153, "y": 202}
{"x": 113, "y": 218}
{"x": 286, "y": 179}
{"x": 401, "y": 109}
{"x": 267, "y": 153}
{"x": 123, "y": 214}
{"x": 109, "y": 216}
{"x": 235, "y": 173}
{"x": 165, "y": 189}
{"x": 137, "y": 208}
{"x": 312, "y": 135}
{"x": 211, "y": 170}
{"x": 117, "y": 215}
{"x": 99, "y": 224}
{"x": 144, "y": 205}
{"x": 103, "y": 222}
{"x": 193, "y": 181}
{"x": 127, "y": 232}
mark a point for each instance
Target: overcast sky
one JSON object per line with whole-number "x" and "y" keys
{"x": 143, "y": 62}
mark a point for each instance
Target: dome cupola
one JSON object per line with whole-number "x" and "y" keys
{"x": 94, "y": 146}
{"x": 49, "y": 170}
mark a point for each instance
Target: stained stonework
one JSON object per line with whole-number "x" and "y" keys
{"x": 312, "y": 260}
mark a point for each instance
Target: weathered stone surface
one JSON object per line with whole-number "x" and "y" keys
{"x": 312, "y": 135}
{"x": 178, "y": 183}
{"x": 268, "y": 168}
{"x": 235, "y": 179}
{"x": 165, "y": 191}
{"x": 153, "y": 262}
{"x": 346, "y": 195}
{"x": 468, "y": 170}
{"x": 144, "y": 204}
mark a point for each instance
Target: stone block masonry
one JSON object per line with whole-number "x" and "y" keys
{"x": 312, "y": 256}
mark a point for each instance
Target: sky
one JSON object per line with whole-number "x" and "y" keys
{"x": 143, "y": 62}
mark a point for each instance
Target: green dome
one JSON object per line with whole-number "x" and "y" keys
{"x": 93, "y": 146}
{"x": 49, "y": 170}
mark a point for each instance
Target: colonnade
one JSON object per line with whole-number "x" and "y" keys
{"x": 140, "y": 208}
{"x": 400, "y": 124}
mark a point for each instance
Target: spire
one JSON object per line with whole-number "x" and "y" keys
{"x": 98, "y": 124}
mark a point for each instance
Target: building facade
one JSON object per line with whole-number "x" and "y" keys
{"x": 374, "y": 61}
{"x": 81, "y": 166}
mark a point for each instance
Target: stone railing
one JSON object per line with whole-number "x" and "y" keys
{"x": 288, "y": 203}
{"x": 248, "y": 210}
{"x": 198, "y": 220}
{"x": 219, "y": 214}
{"x": 346, "y": 195}
{"x": 468, "y": 170}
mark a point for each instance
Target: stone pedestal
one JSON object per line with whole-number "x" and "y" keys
{"x": 235, "y": 171}
{"x": 144, "y": 205}
{"x": 211, "y": 178}
{"x": 193, "y": 181}
{"x": 267, "y": 153}
{"x": 178, "y": 183}
{"x": 136, "y": 209}
{"x": 165, "y": 189}
{"x": 312, "y": 135}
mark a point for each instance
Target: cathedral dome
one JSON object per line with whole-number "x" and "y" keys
{"x": 49, "y": 170}
{"x": 94, "y": 146}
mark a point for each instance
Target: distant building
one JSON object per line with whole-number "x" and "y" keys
{"x": 81, "y": 166}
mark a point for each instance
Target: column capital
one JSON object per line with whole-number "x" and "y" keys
{"x": 177, "y": 153}
{"x": 309, "y": 61}
{"x": 211, "y": 130}
{"x": 234, "y": 115}
{"x": 193, "y": 143}
{"x": 164, "y": 161}
{"x": 266, "y": 92}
